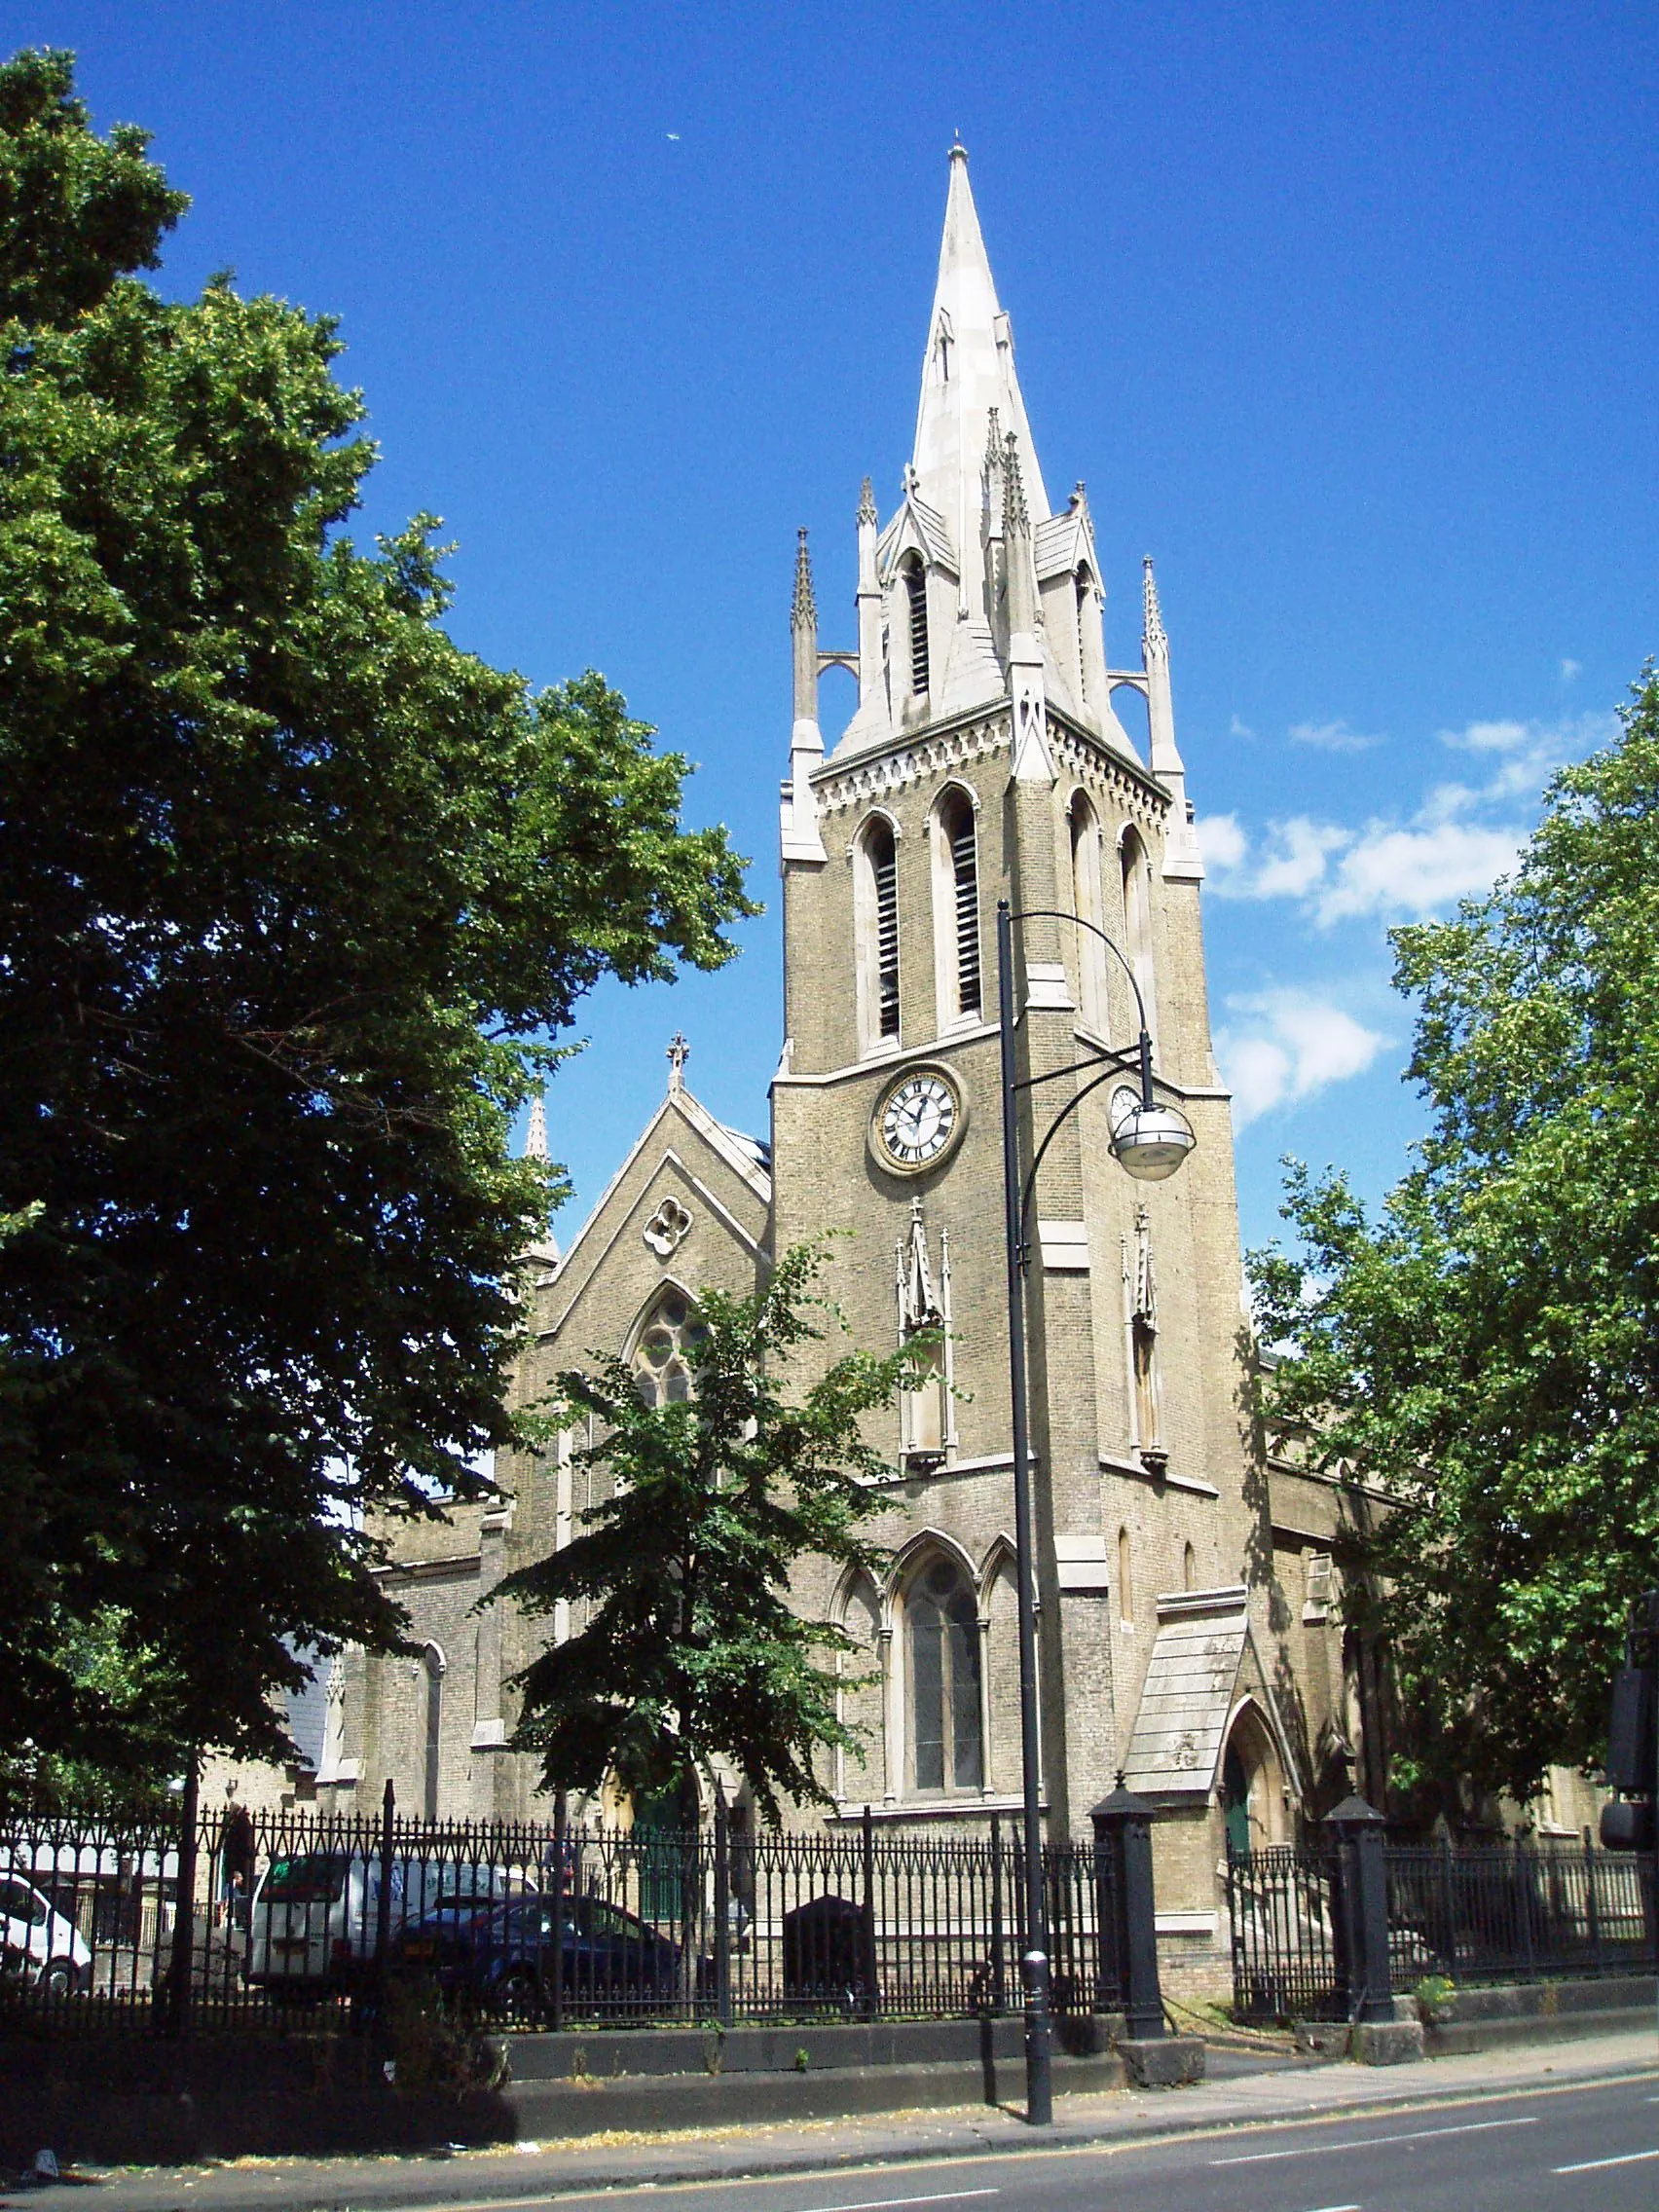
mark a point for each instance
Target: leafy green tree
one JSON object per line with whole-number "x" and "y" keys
{"x": 689, "y": 1650}
{"x": 1488, "y": 1347}
{"x": 294, "y": 897}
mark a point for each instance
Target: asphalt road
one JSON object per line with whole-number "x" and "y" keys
{"x": 1593, "y": 2149}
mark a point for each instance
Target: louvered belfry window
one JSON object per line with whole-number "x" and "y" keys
{"x": 960, "y": 848}
{"x": 965, "y": 867}
{"x": 916, "y": 586}
{"x": 884, "y": 870}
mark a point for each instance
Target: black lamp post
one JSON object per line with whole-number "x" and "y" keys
{"x": 1150, "y": 1141}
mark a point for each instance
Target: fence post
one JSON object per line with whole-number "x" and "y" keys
{"x": 1123, "y": 1840}
{"x": 382, "y": 1903}
{"x": 873, "y": 1993}
{"x": 184, "y": 1906}
{"x": 1366, "y": 1983}
{"x": 560, "y": 1874}
{"x": 723, "y": 1907}
{"x": 1449, "y": 1906}
{"x": 999, "y": 1987}
{"x": 1592, "y": 1905}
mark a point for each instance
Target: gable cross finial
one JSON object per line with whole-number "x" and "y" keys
{"x": 678, "y": 1052}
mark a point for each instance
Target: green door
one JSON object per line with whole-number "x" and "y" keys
{"x": 1236, "y": 1804}
{"x": 657, "y": 1834}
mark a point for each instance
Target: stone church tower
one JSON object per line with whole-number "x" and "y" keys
{"x": 985, "y": 761}
{"x": 1187, "y": 1623}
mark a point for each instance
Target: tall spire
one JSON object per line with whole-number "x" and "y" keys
{"x": 968, "y": 369}
{"x": 1155, "y": 643}
{"x": 869, "y": 599}
{"x": 535, "y": 1136}
{"x": 1180, "y": 845}
{"x": 804, "y": 632}
{"x": 797, "y": 816}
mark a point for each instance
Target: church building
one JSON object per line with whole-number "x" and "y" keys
{"x": 1188, "y": 1625}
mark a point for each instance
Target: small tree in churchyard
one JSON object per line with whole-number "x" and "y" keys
{"x": 689, "y": 1650}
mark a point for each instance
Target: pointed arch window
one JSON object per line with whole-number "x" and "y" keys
{"x": 666, "y": 1354}
{"x": 1087, "y": 905}
{"x": 432, "y": 1673}
{"x": 956, "y": 905}
{"x": 1093, "y": 686}
{"x": 877, "y": 900}
{"x": 916, "y": 606}
{"x": 1137, "y": 920}
{"x": 942, "y": 1619}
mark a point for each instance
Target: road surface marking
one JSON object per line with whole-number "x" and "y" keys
{"x": 883, "y": 2203}
{"x": 1591, "y": 2165}
{"x": 1374, "y": 2142}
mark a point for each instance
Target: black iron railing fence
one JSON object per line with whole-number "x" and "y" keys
{"x": 1474, "y": 1914}
{"x": 297, "y": 1917}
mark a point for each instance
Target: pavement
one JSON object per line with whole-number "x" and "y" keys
{"x": 1255, "y": 2091}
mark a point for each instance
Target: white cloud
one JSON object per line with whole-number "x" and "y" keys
{"x": 1297, "y": 861}
{"x": 1571, "y": 670}
{"x": 1237, "y": 727}
{"x": 1489, "y": 737}
{"x": 1462, "y": 837}
{"x": 1415, "y": 871}
{"x": 1221, "y": 840}
{"x": 1282, "y": 1047}
{"x": 1332, "y": 737}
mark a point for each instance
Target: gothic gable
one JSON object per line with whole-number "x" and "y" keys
{"x": 690, "y": 1205}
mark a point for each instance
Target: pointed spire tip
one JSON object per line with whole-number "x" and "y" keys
{"x": 803, "y": 613}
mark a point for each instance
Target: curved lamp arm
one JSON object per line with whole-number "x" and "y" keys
{"x": 1115, "y": 1064}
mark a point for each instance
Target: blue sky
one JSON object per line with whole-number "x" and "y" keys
{"x": 1345, "y": 313}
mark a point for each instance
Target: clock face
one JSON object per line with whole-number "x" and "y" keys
{"x": 917, "y": 1123}
{"x": 1124, "y": 1102}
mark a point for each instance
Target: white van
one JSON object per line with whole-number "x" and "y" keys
{"x": 38, "y": 1946}
{"x": 316, "y": 1913}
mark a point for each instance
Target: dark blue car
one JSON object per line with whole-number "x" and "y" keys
{"x": 608, "y": 1961}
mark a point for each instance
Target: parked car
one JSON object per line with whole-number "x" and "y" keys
{"x": 605, "y": 1959}
{"x": 314, "y": 1918}
{"x": 39, "y": 1948}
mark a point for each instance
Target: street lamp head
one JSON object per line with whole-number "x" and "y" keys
{"x": 1151, "y": 1141}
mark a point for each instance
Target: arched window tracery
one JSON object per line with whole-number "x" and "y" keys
{"x": 943, "y": 1632}
{"x": 667, "y": 1349}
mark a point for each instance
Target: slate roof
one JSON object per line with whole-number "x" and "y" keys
{"x": 1191, "y": 1685}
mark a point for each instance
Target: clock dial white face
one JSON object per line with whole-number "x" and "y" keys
{"x": 918, "y": 1119}
{"x": 1124, "y": 1102}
